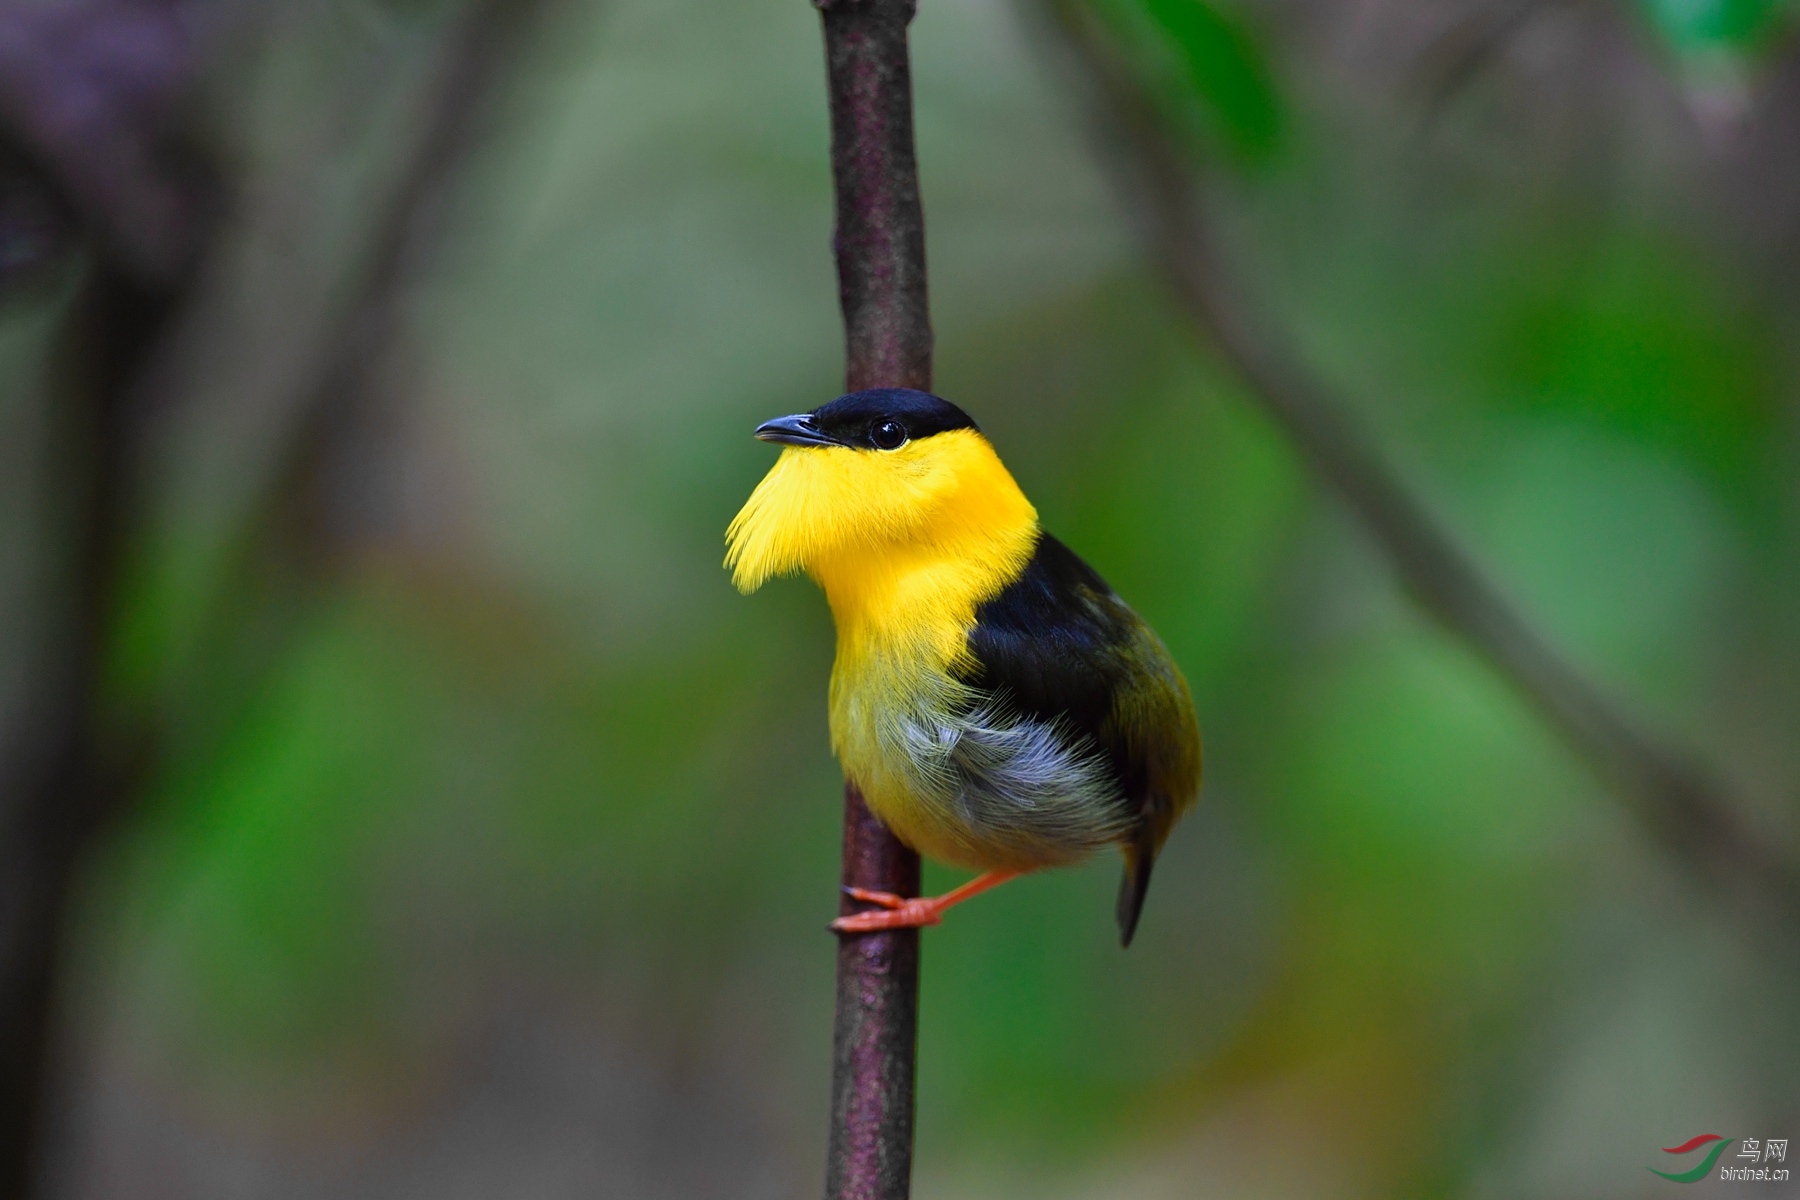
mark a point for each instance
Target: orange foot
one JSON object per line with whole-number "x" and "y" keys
{"x": 896, "y": 912}
{"x": 899, "y": 912}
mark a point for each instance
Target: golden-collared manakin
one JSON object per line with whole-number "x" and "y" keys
{"x": 998, "y": 705}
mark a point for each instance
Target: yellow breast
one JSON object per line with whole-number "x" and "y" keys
{"x": 903, "y": 612}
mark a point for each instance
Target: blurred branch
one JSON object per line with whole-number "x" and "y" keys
{"x": 880, "y": 244}
{"x": 285, "y": 549}
{"x": 1691, "y": 815}
{"x": 66, "y": 774}
{"x": 288, "y": 528}
{"x": 88, "y": 92}
{"x": 1467, "y": 47}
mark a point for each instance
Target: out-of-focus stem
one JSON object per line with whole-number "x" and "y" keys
{"x": 89, "y": 116}
{"x": 478, "y": 53}
{"x": 64, "y": 789}
{"x": 880, "y": 244}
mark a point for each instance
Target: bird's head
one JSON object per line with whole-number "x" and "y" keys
{"x": 876, "y": 474}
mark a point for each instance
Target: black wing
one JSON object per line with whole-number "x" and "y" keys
{"x": 1059, "y": 645}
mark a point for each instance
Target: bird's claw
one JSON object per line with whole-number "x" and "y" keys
{"x": 903, "y": 914}
{"x": 885, "y": 899}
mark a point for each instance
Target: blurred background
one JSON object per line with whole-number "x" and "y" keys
{"x": 377, "y": 384}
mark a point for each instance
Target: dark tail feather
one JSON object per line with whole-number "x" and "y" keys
{"x": 1140, "y": 856}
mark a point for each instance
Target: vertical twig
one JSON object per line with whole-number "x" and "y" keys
{"x": 77, "y": 778}
{"x": 880, "y": 244}
{"x": 285, "y": 530}
{"x": 292, "y": 530}
{"x": 89, "y": 120}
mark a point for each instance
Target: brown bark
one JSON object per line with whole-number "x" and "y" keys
{"x": 880, "y": 246}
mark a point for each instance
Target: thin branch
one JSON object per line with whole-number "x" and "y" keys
{"x": 1691, "y": 815}
{"x": 285, "y": 551}
{"x": 1467, "y": 48}
{"x": 407, "y": 229}
{"x": 69, "y": 774}
{"x": 88, "y": 98}
{"x": 880, "y": 243}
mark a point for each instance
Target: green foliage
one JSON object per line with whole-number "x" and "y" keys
{"x": 1711, "y": 25}
{"x": 1638, "y": 336}
{"x": 262, "y": 863}
{"x": 1224, "y": 68}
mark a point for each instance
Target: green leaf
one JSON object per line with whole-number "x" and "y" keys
{"x": 1701, "y": 25}
{"x": 1226, "y": 69}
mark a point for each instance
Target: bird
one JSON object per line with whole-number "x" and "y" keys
{"x": 999, "y": 706}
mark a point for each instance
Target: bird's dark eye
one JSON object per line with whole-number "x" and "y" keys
{"x": 888, "y": 435}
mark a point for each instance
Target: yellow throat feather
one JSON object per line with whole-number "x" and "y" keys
{"x": 906, "y": 543}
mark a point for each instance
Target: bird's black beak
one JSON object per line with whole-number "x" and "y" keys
{"x": 797, "y": 430}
